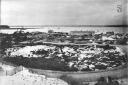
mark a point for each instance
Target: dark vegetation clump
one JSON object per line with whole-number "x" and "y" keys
{"x": 39, "y": 63}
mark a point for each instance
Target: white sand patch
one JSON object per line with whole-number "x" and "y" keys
{"x": 26, "y": 78}
{"x": 6, "y": 67}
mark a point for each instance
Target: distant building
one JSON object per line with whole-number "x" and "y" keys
{"x": 82, "y": 37}
{"x": 59, "y": 34}
{"x": 80, "y": 33}
{"x": 110, "y": 33}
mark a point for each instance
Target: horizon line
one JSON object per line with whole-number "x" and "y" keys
{"x": 59, "y": 26}
{"x": 68, "y": 25}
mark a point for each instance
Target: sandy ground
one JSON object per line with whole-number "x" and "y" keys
{"x": 26, "y": 78}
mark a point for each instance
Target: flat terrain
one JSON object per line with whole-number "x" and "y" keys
{"x": 121, "y": 74}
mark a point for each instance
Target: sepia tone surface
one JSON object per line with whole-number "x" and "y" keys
{"x": 63, "y": 42}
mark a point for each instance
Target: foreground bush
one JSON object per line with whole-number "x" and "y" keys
{"x": 39, "y": 63}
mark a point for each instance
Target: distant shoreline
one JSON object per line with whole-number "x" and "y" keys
{"x": 65, "y": 29}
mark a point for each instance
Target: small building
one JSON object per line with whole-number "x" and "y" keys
{"x": 82, "y": 37}
{"x": 80, "y": 33}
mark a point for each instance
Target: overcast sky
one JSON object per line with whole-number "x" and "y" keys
{"x": 60, "y": 12}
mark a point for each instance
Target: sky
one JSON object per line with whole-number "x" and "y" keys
{"x": 62, "y": 12}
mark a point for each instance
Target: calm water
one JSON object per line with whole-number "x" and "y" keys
{"x": 68, "y": 29}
